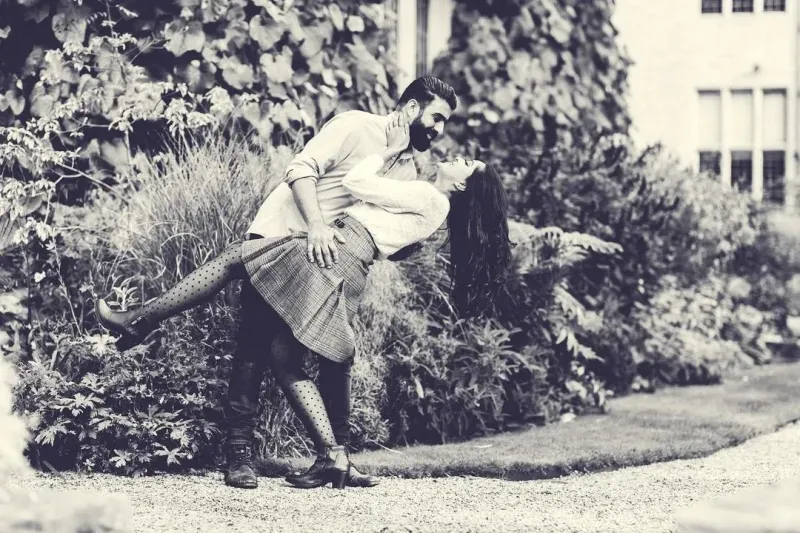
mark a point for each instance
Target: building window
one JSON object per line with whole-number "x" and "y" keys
{"x": 741, "y": 119}
{"x": 774, "y": 126}
{"x": 742, "y": 170}
{"x": 709, "y": 133}
{"x": 742, "y": 6}
{"x": 774, "y": 176}
{"x": 711, "y": 162}
{"x": 774, "y": 118}
{"x": 423, "y": 9}
{"x": 711, "y": 6}
{"x": 774, "y": 5}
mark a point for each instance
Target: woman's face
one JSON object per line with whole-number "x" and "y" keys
{"x": 453, "y": 175}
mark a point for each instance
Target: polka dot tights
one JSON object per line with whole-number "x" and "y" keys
{"x": 286, "y": 361}
{"x": 198, "y": 287}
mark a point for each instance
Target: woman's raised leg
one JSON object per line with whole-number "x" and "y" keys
{"x": 198, "y": 287}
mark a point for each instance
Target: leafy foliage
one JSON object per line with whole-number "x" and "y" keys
{"x": 97, "y": 409}
{"x": 87, "y": 73}
{"x": 531, "y": 75}
{"x": 695, "y": 334}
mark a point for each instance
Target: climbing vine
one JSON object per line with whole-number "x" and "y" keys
{"x": 532, "y": 74}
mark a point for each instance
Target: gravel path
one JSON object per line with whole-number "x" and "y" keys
{"x": 640, "y": 499}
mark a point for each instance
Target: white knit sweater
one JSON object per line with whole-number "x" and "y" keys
{"x": 396, "y": 213}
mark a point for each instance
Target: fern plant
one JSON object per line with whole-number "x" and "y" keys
{"x": 544, "y": 307}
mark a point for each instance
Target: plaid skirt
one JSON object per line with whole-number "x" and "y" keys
{"x": 317, "y": 303}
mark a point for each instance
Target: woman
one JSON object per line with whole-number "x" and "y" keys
{"x": 318, "y": 304}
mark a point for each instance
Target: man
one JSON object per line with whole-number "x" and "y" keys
{"x": 311, "y": 198}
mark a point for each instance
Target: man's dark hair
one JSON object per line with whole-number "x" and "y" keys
{"x": 425, "y": 89}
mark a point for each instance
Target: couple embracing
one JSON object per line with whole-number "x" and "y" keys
{"x": 349, "y": 198}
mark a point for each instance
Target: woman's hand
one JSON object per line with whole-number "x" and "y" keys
{"x": 397, "y": 135}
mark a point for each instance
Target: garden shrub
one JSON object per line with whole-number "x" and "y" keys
{"x": 695, "y": 334}
{"x": 135, "y": 413}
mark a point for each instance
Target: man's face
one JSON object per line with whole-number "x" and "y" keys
{"x": 428, "y": 123}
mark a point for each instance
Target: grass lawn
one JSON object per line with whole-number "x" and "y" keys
{"x": 674, "y": 423}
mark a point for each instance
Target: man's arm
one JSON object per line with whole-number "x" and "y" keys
{"x": 321, "y": 238}
{"x": 323, "y": 152}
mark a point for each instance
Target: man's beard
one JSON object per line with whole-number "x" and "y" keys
{"x": 421, "y": 136}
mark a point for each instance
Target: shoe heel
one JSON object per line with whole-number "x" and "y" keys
{"x": 339, "y": 480}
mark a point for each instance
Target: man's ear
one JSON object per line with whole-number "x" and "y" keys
{"x": 411, "y": 109}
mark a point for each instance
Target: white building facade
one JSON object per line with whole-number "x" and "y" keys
{"x": 716, "y": 82}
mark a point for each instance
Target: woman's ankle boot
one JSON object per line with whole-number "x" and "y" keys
{"x": 333, "y": 468}
{"x": 132, "y": 326}
{"x": 359, "y": 479}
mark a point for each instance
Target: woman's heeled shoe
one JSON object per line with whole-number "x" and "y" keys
{"x": 333, "y": 468}
{"x": 132, "y": 326}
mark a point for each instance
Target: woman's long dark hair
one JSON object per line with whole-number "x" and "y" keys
{"x": 480, "y": 250}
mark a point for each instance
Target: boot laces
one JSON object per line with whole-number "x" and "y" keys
{"x": 240, "y": 456}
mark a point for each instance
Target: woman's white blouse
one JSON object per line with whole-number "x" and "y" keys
{"x": 396, "y": 213}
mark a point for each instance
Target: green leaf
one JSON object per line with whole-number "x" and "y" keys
{"x": 326, "y": 104}
{"x": 315, "y": 39}
{"x": 505, "y": 97}
{"x": 336, "y": 16}
{"x": 182, "y": 37}
{"x": 375, "y": 12}
{"x": 355, "y": 24}
{"x": 42, "y": 104}
{"x": 266, "y": 32}
{"x": 237, "y": 34}
{"x": 69, "y": 23}
{"x": 198, "y": 76}
{"x": 237, "y": 74}
{"x": 258, "y": 115}
{"x": 213, "y": 10}
{"x": 278, "y": 67}
{"x": 12, "y": 100}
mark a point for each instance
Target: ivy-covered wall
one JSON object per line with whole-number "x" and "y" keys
{"x": 285, "y": 66}
{"x": 531, "y": 74}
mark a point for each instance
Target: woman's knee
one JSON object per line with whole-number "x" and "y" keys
{"x": 285, "y": 356}
{"x": 328, "y": 367}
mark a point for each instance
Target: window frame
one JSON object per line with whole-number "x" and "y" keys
{"x": 706, "y": 5}
{"x": 743, "y": 3}
{"x": 769, "y": 9}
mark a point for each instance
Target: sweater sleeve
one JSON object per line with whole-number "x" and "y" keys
{"x": 396, "y": 196}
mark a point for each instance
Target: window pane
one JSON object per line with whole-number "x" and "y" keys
{"x": 741, "y": 128}
{"x": 774, "y": 118}
{"x": 709, "y": 134}
{"x": 422, "y": 37}
{"x": 742, "y": 170}
{"x": 711, "y": 6}
{"x": 774, "y": 176}
{"x": 774, "y": 5}
{"x": 742, "y": 6}
{"x": 711, "y": 162}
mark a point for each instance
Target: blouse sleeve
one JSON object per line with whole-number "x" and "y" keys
{"x": 396, "y": 196}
